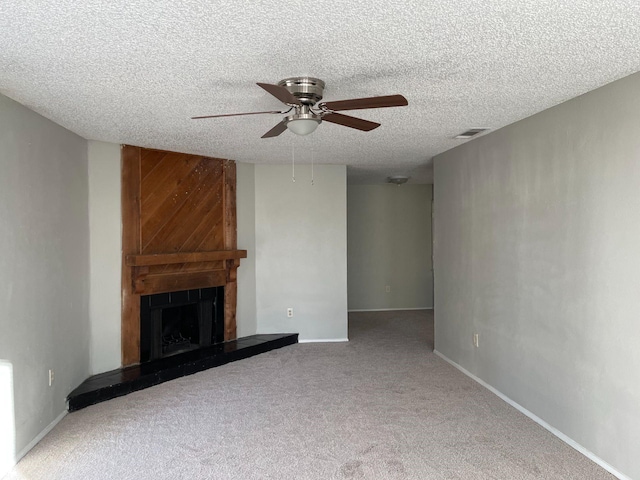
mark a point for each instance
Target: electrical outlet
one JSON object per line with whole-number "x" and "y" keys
{"x": 476, "y": 340}
{"x": 289, "y": 312}
{"x": 50, "y": 377}
{"x": 387, "y": 289}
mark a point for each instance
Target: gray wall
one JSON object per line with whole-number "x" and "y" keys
{"x": 389, "y": 244}
{"x": 301, "y": 251}
{"x": 246, "y": 317}
{"x": 105, "y": 222}
{"x": 44, "y": 270}
{"x": 537, "y": 231}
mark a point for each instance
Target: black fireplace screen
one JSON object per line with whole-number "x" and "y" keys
{"x": 177, "y": 322}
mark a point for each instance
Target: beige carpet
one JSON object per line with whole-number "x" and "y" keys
{"x": 382, "y": 406}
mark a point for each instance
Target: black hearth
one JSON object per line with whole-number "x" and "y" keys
{"x": 177, "y": 322}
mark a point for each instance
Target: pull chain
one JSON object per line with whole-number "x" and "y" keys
{"x": 312, "y": 155}
{"x": 293, "y": 162}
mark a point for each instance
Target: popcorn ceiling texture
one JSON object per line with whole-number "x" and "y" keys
{"x": 134, "y": 72}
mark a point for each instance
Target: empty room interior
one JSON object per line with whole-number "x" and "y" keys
{"x": 385, "y": 240}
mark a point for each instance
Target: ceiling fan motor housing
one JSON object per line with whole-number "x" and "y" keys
{"x": 308, "y": 90}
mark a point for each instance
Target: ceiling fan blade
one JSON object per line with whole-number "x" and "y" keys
{"x": 371, "y": 102}
{"x": 234, "y": 114}
{"x": 281, "y": 93}
{"x": 349, "y": 121}
{"x": 275, "y": 131}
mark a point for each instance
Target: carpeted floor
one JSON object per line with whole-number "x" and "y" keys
{"x": 382, "y": 406}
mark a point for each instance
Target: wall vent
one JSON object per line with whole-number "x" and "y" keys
{"x": 472, "y": 132}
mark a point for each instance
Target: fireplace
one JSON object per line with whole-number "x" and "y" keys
{"x": 179, "y": 234}
{"x": 177, "y": 322}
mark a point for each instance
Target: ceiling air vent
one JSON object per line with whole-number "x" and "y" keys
{"x": 472, "y": 132}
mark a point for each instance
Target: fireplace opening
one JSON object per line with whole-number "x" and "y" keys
{"x": 177, "y": 322}
{"x": 180, "y": 329}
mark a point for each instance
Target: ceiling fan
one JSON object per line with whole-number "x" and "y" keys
{"x": 301, "y": 94}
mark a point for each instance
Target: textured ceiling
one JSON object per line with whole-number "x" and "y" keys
{"x": 134, "y": 72}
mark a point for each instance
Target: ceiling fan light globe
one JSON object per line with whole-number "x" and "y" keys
{"x": 303, "y": 126}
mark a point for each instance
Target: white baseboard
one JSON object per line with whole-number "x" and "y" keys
{"x": 572, "y": 443}
{"x": 388, "y": 309}
{"x": 34, "y": 442}
{"x": 323, "y": 340}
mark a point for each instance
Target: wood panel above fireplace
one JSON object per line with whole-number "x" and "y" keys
{"x": 178, "y": 233}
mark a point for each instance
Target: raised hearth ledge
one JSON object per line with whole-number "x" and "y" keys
{"x": 122, "y": 381}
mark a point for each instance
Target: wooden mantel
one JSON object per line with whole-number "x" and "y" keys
{"x": 178, "y": 233}
{"x": 143, "y": 284}
{"x": 183, "y": 257}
